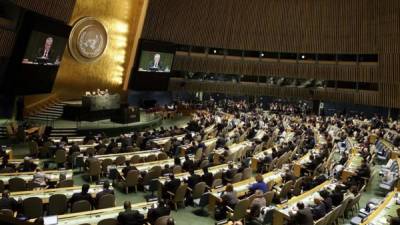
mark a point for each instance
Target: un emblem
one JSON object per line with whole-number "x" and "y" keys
{"x": 88, "y": 40}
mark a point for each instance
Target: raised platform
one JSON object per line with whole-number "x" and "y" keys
{"x": 107, "y": 126}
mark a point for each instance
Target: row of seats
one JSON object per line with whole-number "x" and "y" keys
{"x": 18, "y": 184}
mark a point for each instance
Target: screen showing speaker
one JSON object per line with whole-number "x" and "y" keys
{"x": 159, "y": 62}
{"x": 44, "y": 49}
{"x": 153, "y": 66}
{"x": 36, "y": 56}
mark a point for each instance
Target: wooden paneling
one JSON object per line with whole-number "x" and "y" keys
{"x": 59, "y": 9}
{"x": 295, "y": 70}
{"x": 298, "y": 26}
{"x": 273, "y": 25}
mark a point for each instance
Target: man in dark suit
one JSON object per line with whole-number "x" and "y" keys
{"x": 337, "y": 196}
{"x": 171, "y": 186}
{"x": 129, "y": 216}
{"x": 106, "y": 190}
{"x": 8, "y": 203}
{"x": 154, "y": 213}
{"x": 74, "y": 148}
{"x": 83, "y": 195}
{"x": 27, "y": 165}
{"x": 229, "y": 174}
{"x": 46, "y": 53}
{"x": 188, "y": 164}
{"x": 207, "y": 177}
{"x": 303, "y": 216}
{"x": 319, "y": 210}
{"x": 193, "y": 179}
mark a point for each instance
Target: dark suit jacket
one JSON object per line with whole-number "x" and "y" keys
{"x": 304, "y": 217}
{"x": 172, "y": 185}
{"x": 74, "y": 148}
{"x": 8, "y": 203}
{"x": 102, "y": 193}
{"x": 318, "y": 211}
{"x": 130, "y": 217}
{"x": 337, "y": 198}
{"x": 27, "y": 167}
{"x": 188, "y": 165}
{"x": 193, "y": 180}
{"x": 208, "y": 178}
{"x": 229, "y": 174}
{"x": 50, "y": 55}
{"x": 156, "y": 213}
{"x": 328, "y": 204}
{"x": 80, "y": 196}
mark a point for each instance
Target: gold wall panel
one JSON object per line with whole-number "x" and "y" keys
{"x": 121, "y": 19}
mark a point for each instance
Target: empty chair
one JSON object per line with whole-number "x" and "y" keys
{"x": 106, "y": 201}
{"x": 198, "y": 191}
{"x": 239, "y": 212}
{"x": 105, "y": 163}
{"x": 135, "y": 159}
{"x": 157, "y": 170}
{"x": 162, "y": 156}
{"x": 179, "y": 195}
{"x": 16, "y": 184}
{"x": 237, "y": 178}
{"x": 32, "y": 207}
{"x": 60, "y": 157}
{"x": 246, "y": 173}
{"x": 269, "y": 196}
{"x": 216, "y": 183}
{"x": 151, "y": 158}
{"x": 285, "y": 190}
{"x": 120, "y": 160}
{"x": 131, "y": 180}
{"x": 94, "y": 170}
{"x": 65, "y": 183}
{"x": 109, "y": 221}
{"x": 58, "y": 204}
{"x": 80, "y": 206}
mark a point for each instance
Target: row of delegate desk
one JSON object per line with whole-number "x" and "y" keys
{"x": 387, "y": 209}
{"x": 281, "y": 212}
{"x": 51, "y": 175}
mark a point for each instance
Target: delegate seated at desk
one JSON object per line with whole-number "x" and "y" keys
{"x": 8, "y": 203}
{"x": 83, "y": 195}
{"x": 129, "y": 216}
{"x": 27, "y": 165}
